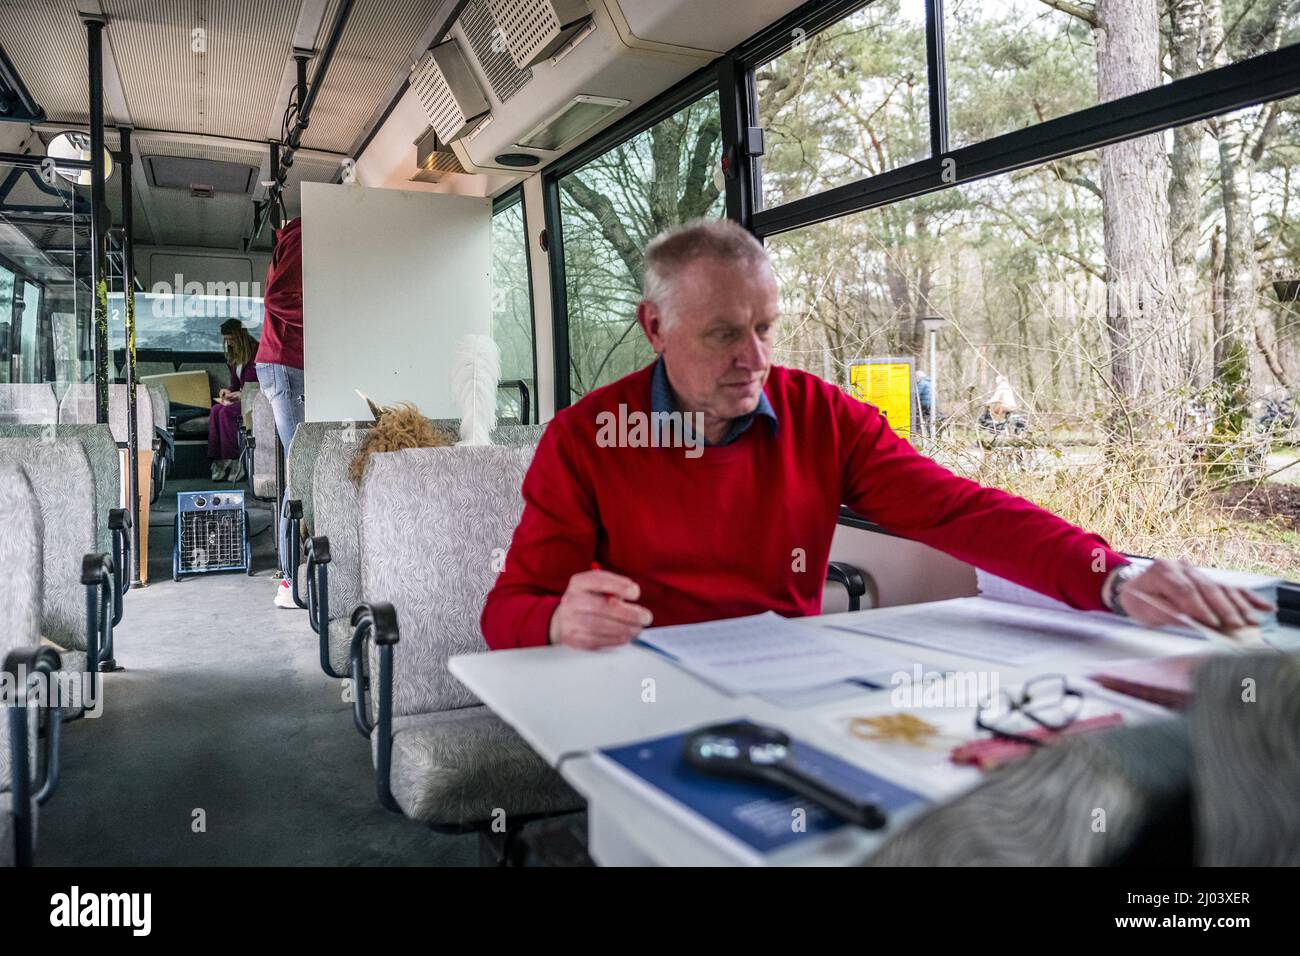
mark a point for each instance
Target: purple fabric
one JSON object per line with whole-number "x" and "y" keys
{"x": 223, "y": 431}
{"x": 223, "y": 420}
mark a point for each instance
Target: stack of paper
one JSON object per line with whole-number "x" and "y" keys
{"x": 765, "y": 652}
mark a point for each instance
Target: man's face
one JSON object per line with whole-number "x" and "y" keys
{"x": 717, "y": 345}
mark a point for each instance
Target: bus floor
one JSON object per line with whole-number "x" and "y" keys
{"x": 221, "y": 741}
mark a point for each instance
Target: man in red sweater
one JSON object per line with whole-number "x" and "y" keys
{"x": 708, "y": 485}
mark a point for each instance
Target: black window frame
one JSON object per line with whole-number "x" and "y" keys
{"x": 501, "y": 203}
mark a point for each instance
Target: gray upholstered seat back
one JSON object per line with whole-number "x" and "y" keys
{"x": 435, "y": 525}
{"x": 78, "y": 408}
{"x": 28, "y": 404}
{"x": 337, "y": 517}
{"x": 161, "y": 403}
{"x": 304, "y": 452}
{"x": 20, "y": 570}
{"x": 59, "y": 472}
{"x": 105, "y": 466}
{"x": 264, "y": 443}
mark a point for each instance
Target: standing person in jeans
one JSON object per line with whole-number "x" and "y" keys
{"x": 279, "y": 358}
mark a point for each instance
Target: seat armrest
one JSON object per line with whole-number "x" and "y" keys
{"x": 120, "y": 523}
{"x": 291, "y": 546}
{"x": 22, "y": 665}
{"x": 318, "y": 599}
{"x": 856, "y": 581}
{"x": 97, "y": 574}
{"x": 378, "y": 623}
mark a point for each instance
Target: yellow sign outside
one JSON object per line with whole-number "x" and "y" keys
{"x": 887, "y": 384}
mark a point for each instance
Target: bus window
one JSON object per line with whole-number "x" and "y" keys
{"x": 1090, "y": 359}
{"x": 610, "y": 209}
{"x": 29, "y": 343}
{"x": 7, "y": 343}
{"x": 512, "y": 308}
{"x": 849, "y": 102}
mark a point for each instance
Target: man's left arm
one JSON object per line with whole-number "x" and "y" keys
{"x": 888, "y": 481}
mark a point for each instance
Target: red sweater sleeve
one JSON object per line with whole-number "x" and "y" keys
{"x": 555, "y": 539}
{"x": 887, "y": 481}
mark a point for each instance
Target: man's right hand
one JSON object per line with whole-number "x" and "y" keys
{"x": 598, "y": 610}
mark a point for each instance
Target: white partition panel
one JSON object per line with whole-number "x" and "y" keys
{"x": 391, "y": 279}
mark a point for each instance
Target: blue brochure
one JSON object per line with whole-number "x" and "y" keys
{"x": 760, "y": 817}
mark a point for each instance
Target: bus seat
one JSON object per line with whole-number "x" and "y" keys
{"x": 28, "y": 404}
{"x": 336, "y": 518}
{"x": 260, "y": 419}
{"x": 105, "y": 468}
{"x": 434, "y": 521}
{"x": 78, "y": 408}
{"x": 300, "y": 466}
{"x": 60, "y": 475}
{"x": 164, "y": 459}
{"x": 20, "y": 624}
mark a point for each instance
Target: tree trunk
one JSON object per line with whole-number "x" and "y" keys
{"x": 1185, "y": 170}
{"x": 1148, "y": 349}
{"x": 1240, "y": 269}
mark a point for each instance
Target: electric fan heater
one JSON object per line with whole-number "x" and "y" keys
{"x": 211, "y": 533}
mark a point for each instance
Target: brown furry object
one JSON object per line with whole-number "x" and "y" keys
{"x": 398, "y": 426}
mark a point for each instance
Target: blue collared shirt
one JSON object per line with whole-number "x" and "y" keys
{"x": 661, "y": 401}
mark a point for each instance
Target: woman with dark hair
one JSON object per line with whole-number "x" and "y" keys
{"x": 223, "y": 422}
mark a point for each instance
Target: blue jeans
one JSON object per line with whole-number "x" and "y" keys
{"x": 282, "y": 386}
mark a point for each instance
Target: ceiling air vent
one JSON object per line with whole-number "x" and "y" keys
{"x": 435, "y": 159}
{"x": 484, "y": 37}
{"x": 536, "y": 29}
{"x": 205, "y": 177}
{"x": 448, "y": 91}
{"x": 578, "y": 116}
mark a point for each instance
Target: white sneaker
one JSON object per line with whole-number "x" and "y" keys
{"x": 284, "y": 595}
{"x": 219, "y": 469}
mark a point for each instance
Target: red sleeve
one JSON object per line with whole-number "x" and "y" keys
{"x": 284, "y": 278}
{"x": 556, "y": 539}
{"x": 887, "y": 481}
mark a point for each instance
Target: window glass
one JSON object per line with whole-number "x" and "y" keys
{"x": 7, "y": 341}
{"x": 847, "y": 103}
{"x": 29, "y": 368}
{"x": 1014, "y": 63}
{"x": 1125, "y": 350}
{"x": 181, "y": 323}
{"x": 610, "y": 209}
{"x": 512, "y": 311}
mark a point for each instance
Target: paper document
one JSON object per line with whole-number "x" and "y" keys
{"x": 1000, "y": 589}
{"x": 764, "y": 652}
{"x": 990, "y": 630}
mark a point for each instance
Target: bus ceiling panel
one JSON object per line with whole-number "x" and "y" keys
{"x": 211, "y": 68}
{"x": 46, "y": 43}
{"x": 381, "y": 41}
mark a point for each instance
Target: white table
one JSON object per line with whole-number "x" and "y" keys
{"x": 567, "y": 703}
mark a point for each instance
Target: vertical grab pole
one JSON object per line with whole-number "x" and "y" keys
{"x": 99, "y": 214}
{"x": 128, "y": 290}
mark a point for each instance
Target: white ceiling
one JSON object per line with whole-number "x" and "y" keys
{"x": 223, "y": 104}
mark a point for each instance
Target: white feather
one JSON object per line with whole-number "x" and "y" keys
{"x": 475, "y": 371}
